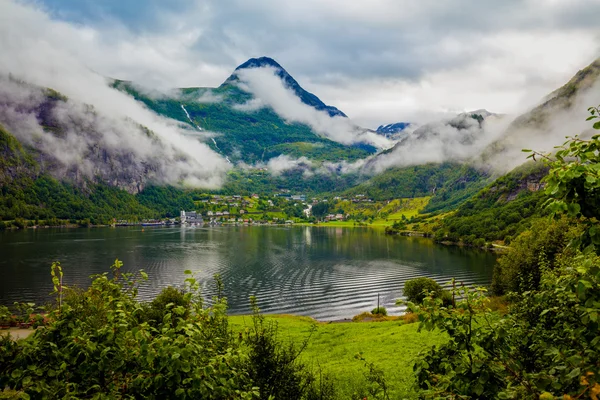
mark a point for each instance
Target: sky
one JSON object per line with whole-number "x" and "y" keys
{"x": 379, "y": 61}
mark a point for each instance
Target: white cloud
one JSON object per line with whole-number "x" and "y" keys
{"x": 457, "y": 139}
{"x": 283, "y": 163}
{"x": 380, "y": 61}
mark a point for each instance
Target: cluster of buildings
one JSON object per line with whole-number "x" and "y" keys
{"x": 334, "y": 217}
{"x": 190, "y": 218}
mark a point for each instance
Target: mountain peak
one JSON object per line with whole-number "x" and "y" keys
{"x": 305, "y": 96}
{"x": 259, "y": 63}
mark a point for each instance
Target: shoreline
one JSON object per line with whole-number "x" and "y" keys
{"x": 23, "y": 333}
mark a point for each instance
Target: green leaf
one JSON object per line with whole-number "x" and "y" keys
{"x": 574, "y": 373}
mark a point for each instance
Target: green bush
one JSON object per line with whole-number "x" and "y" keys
{"x": 109, "y": 353}
{"x": 20, "y": 223}
{"x": 415, "y": 290}
{"x": 5, "y": 315}
{"x": 520, "y": 269}
{"x": 103, "y": 343}
{"x": 447, "y": 298}
{"x": 479, "y": 242}
{"x": 163, "y": 305}
{"x": 545, "y": 347}
{"x": 379, "y": 311}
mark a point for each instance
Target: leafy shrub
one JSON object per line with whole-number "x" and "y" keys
{"x": 103, "y": 343}
{"x": 546, "y": 344}
{"x": 379, "y": 311}
{"x": 20, "y": 223}
{"x": 5, "y": 315}
{"x": 447, "y": 298}
{"x": 377, "y": 386}
{"x": 479, "y": 242}
{"x": 164, "y": 303}
{"x": 541, "y": 247}
{"x": 417, "y": 289}
{"x": 110, "y": 353}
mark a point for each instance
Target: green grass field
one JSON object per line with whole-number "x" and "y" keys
{"x": 391, "y": 346}
{"x": 410, "y": 209}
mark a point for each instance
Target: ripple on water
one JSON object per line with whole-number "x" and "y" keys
{"x": 326, "y": 274}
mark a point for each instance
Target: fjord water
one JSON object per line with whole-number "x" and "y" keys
{"x": 325, "y": 273}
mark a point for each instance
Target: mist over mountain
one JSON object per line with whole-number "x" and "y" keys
{"x": 560, "y": 114}
{"x": 455, "y": 139}
{"x": 305, "y": 96}
{"x": 80, "y": 126}
{"x": 78, "y": 142}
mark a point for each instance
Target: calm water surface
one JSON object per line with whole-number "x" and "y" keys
{"x": 326, "y": 273}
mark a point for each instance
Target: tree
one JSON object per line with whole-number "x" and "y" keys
{"x": 534, "y": 250}
{"x": 573, "y": 182}
{"x": 320, "y": 210}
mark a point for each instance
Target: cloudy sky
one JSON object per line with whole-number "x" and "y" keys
{"x": 379, "y": 61}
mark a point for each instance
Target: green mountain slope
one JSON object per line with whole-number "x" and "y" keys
{"x": 248, "y": 136}
{"x": 26, "y": 192}
{"x": 500, "y": 211}
{"x": 449, "y": 183}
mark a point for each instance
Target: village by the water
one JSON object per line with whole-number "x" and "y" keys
{"x": 278, "y": 209}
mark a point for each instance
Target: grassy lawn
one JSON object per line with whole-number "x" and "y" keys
{"x": 391, "y": 346}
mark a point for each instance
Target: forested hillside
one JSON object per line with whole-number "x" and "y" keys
{"x": 29, "y": 194}
{"x": 501, "y": 210}
{"x": 448, "y": 183}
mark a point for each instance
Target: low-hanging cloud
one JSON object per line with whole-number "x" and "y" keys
{"x": 35, "y": 50}
{"x": 495, "y": 143}
{"x": 548, "y": 128}
{"x": 456, "y": 139}
{"x": 277, "y": 165}
{"x": 269, "y": 90}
